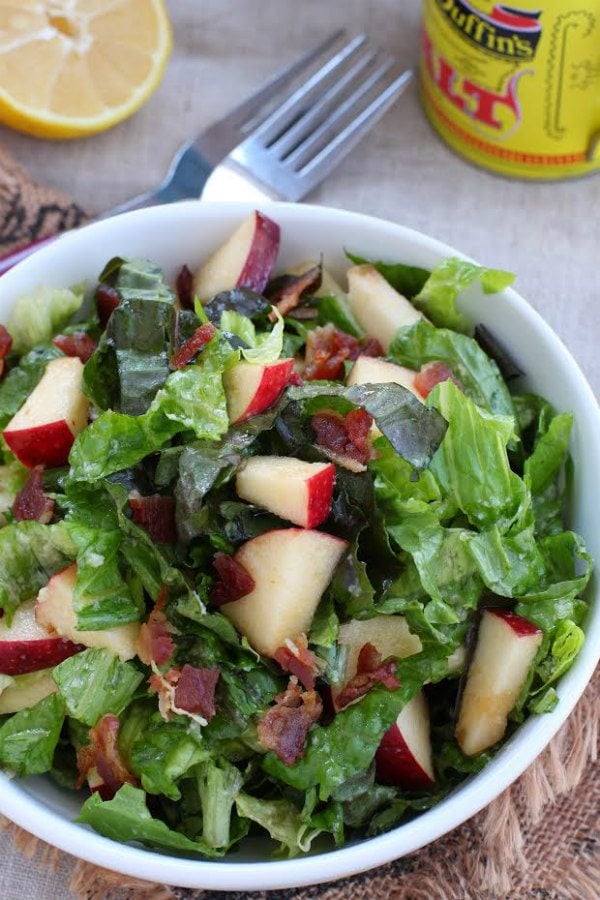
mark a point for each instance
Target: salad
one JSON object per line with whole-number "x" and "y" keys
{"x": 275, "y": 557}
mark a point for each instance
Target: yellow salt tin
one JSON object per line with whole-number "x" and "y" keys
{"x": 515, "y": 88}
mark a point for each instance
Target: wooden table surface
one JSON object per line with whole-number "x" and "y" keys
{"x": 547, "y": 233}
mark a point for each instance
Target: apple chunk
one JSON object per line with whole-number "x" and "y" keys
{"x": 377, "y": 307}
{"x": 43, "y": 430}
{"x": 404, "y": 755}
{"x": 25, "y": 691}
{"x": 505, "y": 650}
{"x": 244, "y": 260}
{"x": 25, "y": 646}
{"x": 390, "y": 635}
{"x": 252, "y": 388}
{"x": 291, "y": 568}
{"x": 54, "y": 611}
{"x": 370, "y": 370}
{"x": 291, "y": 488}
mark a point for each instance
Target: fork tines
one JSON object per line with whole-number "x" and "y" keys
{"x": 299, "y": 142}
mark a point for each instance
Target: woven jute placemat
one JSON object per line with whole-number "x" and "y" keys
{"x": 539, "y": 839}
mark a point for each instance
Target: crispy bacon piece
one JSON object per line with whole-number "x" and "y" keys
{"x": 156, "y": 515}
{"x": 107, "y": 300}
{"x": 100, "y": 761}
{"x": 344, "y": 436}
{"x": 370, "y": 670}
{"x": 288, "y": 290}
{"x": 235, "y": 581}
{"x": 196, "y": 342}
{"x": 371, "y": 347}
{"x": 434, "y": 373}
{"x": 297, "y": 659}
{"x": 155, "y": 643}
{"x": 5, "y": 347}
{"x": 195, "y": 691}
{"x": 327, "y": 349}
{"x": 31, "y": 502}
{"x": 78, "y": 344}
{"x": 184, "y": 285}
{"x": 284, "y": 727}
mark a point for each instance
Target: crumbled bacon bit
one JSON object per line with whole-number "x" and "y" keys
{"x": 156, "y": 515}
{"x": 235, "y": 581}
{"x": 202, "y": 336}
{"x": 100, "y": 761}
{"x": 284, "y": 727}
{"x": 184, "y": 286}
{"x": 344, "y": 436}
{"x": 107, "y": 300}
{"x": 297, "y": 659}
{"x": 371, "y": 347}
{"x": 434, "y": 373}
{"x": 289, "y": 290}
{"x": 78, "y": 344}
{"x": 327, "y": 349}
{"x": 195, "y": 691}
{"x": 155, "y": 644}
{"x": 370, "y": 670}
{"x": 31, "y": 502}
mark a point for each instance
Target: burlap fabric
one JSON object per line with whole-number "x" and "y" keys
{"x": 539, "y": 839}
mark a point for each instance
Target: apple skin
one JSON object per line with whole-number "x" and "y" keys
{"x": 252, "y": 388}
{"x": 403, "y": 757}
{"x": 27, "y": 647}
{"x": 43, "y": 430}
{"x": 292, "y": 489}
{"x": 245, "y": 260}
{"x": 291, "y": 568}
{"x": 54, "y": 611}
{"x": 506, "y": 648}
{"x": 377, "y": 307}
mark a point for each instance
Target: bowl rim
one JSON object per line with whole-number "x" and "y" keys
{"x": 531, "y": 738}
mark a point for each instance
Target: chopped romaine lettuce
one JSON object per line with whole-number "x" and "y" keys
{"x": 37, "y": 317}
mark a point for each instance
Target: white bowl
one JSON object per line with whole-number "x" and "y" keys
{"x": 172, "y": 235}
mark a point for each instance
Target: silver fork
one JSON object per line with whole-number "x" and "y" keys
{"x": 288, "y": 151}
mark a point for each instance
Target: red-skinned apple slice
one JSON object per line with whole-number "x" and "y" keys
{"x": 25, "y": 691}
{"x": 404, "y": 755}
{"x": 371, "y": 370}
{"x": 43, "y": 430}
{"x": 290, "y": 488}
{"x": 54, "y": 611}
{"x": 377, "y": 307}
{"x": 244, "y": 260}
{"x": 252, "y": 388}
{"x": 25, "y": 646}
{"x": 291, "y": 568}
{"x": 505, "y": 650}
{"x": 390, "y": 635}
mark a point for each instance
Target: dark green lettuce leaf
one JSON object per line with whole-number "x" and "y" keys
{"x": 22, "y": 379}
{"x": 30, "y": 553}
{"x": 28, "y": 739}
{"x": 421, "y": 343}
{"x": 94, "y": 683}
{"x": 335, "y": 310}
{"x": 136, "y": 279}
{"x": 240, "y": 300}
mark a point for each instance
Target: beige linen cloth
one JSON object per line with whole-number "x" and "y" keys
{"x": 540, "y": 838}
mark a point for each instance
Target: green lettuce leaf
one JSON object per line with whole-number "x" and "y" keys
{"x": 472, "y": 465}
{"x": 261, "y": 348}
{"x": 159, "y": 753}
{"x": 336, "y": 310}
{"x": 219, "y": 785}
{"x": 136, "y": 279}
{"x": 30, "y": 553}
{"x": 94, "y": 683}
{"x": 437, "y": 297}
{"x": 567, "y": 640}
{"x": 421, "y": 343}
{"x": 28, "y": 739}
{"x": 281, "y": 819}
{"x": 510, "y": 564}
{"x": 126, "y": 818}
{"x": 37, "y": 317}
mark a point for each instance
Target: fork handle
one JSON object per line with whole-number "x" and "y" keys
{"x": 192, "y": 172}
